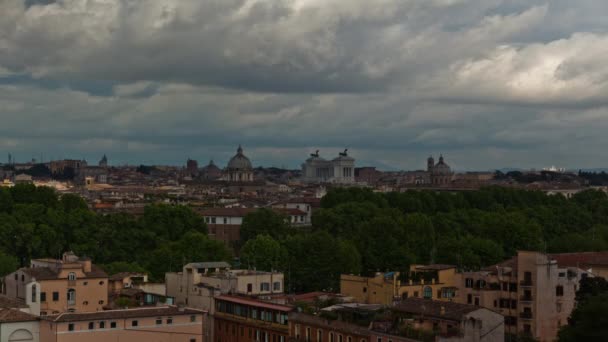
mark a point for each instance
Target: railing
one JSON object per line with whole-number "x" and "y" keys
{"x": 526, "y": 282}
{"x": 525, "y": 315}
{"x": 71, "y": 302}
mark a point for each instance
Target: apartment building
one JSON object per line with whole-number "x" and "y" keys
{"x": 243, "y": 319}
{"x": 52, "y": 286}
{"x": 423, "y": 281}
{"x": 158, "y": 324}
{"x": 532, "y": 290}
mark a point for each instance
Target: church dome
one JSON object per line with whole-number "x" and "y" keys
{"x": 239, "y": 161}
{"x": 442, "y": 167}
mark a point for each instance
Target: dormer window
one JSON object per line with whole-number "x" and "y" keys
{"x": 72, "y": 276}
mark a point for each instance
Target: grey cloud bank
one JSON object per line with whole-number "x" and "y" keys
{"x": 489, "y": 83}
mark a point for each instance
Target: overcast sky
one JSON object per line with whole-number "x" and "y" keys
{"x": 488, "y": 83}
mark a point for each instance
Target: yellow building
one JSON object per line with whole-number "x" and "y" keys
{"x": 51, "y": 286}
{"x": 423, "y": 281}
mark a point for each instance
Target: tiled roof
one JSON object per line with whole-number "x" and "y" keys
{"x": 11, "y": 303}
{"x": 13, "y": 315}
{"x": 432, "y": 308}
{"x": 254, "y": 302}
{"x": 228, "y": 212}
{"x": 122, "y": 314}
{"x": 335, "y": 325}
{"x": 582, "y": 260}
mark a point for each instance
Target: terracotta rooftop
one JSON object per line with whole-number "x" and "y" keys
{"x": 582, "y": 260}
{"x": 13, "y": 315}
{"x": 228, "y": 212}
{"x": 122, "y": 314}
{"x": 335, "y": 325}
{"x": 122, "y": 275}
{"x": 255, "y": 302}
{"x": 11, "y": 303}
{"x": 432, "y": 308}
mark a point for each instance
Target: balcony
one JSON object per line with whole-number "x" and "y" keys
{"x": 525, "y": 315}
{"x": 526, "y": 283}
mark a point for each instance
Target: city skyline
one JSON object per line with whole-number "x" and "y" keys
{"x": 490, "y": 84}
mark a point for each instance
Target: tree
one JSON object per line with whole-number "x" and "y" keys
{"x": 121, "y": 266}
{"x": 172, "y": 221}
{"x": 588, "y": 321}
{"x": 264, "y": 221}
{"x": 591, "y": 287}
{"x": 263, "y": 253}
{"x": 8, "y": 264}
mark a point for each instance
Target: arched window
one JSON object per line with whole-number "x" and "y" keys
{"x": 21, "y": 335}
{"x": 428, "y": 292}
{"x": 71, "y": 297}
{"x": 71, "y": 276}
{"x": 34, "y": 294}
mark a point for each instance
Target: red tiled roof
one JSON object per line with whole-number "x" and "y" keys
{"x": 228, "y": 212}
{"x": 123, "y": 314}
{"x": 583, "y": 259}
{"x": 13, "y": 315}
{"x": 433, "y": 308}
{"x": 254, "y": 302}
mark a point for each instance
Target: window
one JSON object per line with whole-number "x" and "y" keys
{"x": 193, "y": 319}
{"x": 134, "y": 323}
{"x": 340, "y": 338}
{"x": 34, "y": 293}
{"x": 71, "y": 276}
{"x": 55, "y": 296}
{"x": 71, "y": 297}
{"x": 102, "y": 325}
{"x": 71, "y": 327}
{"x": 213, "y": 220}
{"x": 249, "y": 287}
{"x": 364, "y": 289}
{"x": 101, "y": 282}
{"x": 276, "y": 286}
{"x": 513, "y": 304}
{"x": 331, "y": 337}
{"x": 22, "y": 277}
{"x": 428, "y": 292}
{"x": 349, "y": 339}
{"x": 170, "y": 321}
{"x": 91, "y": 325}
{"x": 416, "y": 294}
{"x": 319, "y": 335}
{"x": 113, "y": 325}
{"x": 159, "y": 321}
{"x": 297, "y": 331}
{"x": 477, "y": 301}
{"x": 307, "y": 334}
{"x": 225, "y": 220}
{"x": 495, "y": 304}
{"x": 559, "y": 290}
{"x": 265, "y": 287}
{"x": 85, "y": 303}
{"x": 469, "y": 298}
{"x": 85, "y": 283}
{"x": 512, "y": 287}
{"x": 379, "y": 339}
{"x": 192, "y": 340}
{"x": 468, "y": 283}
{"x": 100, "y": 302}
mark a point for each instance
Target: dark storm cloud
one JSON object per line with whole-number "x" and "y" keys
{"x": 487, "y": 82}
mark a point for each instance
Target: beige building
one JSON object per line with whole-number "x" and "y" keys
{"x": 423, "y": 281}
{"x": 532, "y": 290}
{"x": 158, "y": 324}
{"x": 18, "y": 326}
{"x": 200, "y": 283}
{"x": 51, "y": 286}
{"x": 451, "y": 321}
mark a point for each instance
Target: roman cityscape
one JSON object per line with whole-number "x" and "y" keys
{"x": 303, "y": 171}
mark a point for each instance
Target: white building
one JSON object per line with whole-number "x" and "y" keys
{"x": 338, "y": 170}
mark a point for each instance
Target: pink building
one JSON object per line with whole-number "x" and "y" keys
{"x": 158, "y": 324}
